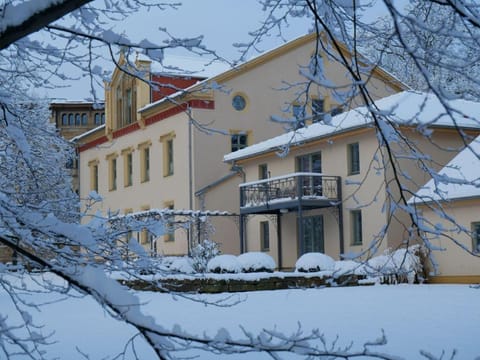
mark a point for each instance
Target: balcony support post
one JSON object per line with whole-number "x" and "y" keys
{"x": 340, "y": 216}
{"x": 279, "y": 241}
{"x": 300, "y": 214}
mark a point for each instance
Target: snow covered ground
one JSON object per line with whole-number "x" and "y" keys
{"x": 432, "y": 318}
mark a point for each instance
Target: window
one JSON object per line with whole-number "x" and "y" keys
{"x": 313, "y": 238}
{"x": 71, "y": 120}
{"x": 103, "y": 118}
{"x": 336, "y": 111}
{"x": 356, "y": 219}
{"x": 170, "y": 233}
{"x": 299, "y": 114}
{"x": 119, "y": 107}
{"x": 127, "y": 167}
{"x": 353, "y": 159}
{"x": 64, "y": 119}
{"x": 145, "y": 235}
{"x": 93, "y": 165}
{"x": 311, "y": 163}
{"x": 84, "y": 119}
{"x": 112, "y": 172}
{"x": 77, "y": 120}
{"x": 145, "y": 161}
{"x": 238, "y": 141}
{"x": 169, "y": 146}
{"x": 262, "y": 171}
{"x": 317, "y": 110}
{"x": 476, "y": 236}
{"x": 168, "y": 153}
{"x": 239, "y": 102}
{"x": 264, "y": 236}
{"x": 128, "y": 107}
{"x": 98, "y": 119}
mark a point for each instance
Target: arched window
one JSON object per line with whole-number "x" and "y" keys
{"x": 84, "y": 119}
{"x": 77, "y": 119}
{"x": 71, "y": 120}
{"x": 103, "y": 118}
{"x": 97, "y": 119}
{"x": 64, "y": 119}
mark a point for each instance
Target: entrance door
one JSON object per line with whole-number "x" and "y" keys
{"x": 313, "y": 240}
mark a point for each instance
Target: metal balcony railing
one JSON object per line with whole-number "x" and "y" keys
{"x": 296, "y": 186}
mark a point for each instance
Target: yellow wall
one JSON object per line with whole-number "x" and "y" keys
{"x": 454, "y": 260}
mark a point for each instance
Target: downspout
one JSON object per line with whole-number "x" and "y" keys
{"x": 190, "y": 181}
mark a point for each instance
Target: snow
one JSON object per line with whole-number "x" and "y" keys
{"x": 404, "y": 108}
{"x": 432, "y": 318}
{"x": 460, "y": 178}
{"x": 314, "y": 261}
{"x": 256, "y": 261}
{"x": 224, "y": 263}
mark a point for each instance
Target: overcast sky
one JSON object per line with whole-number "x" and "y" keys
{"x": 221, "y": 22}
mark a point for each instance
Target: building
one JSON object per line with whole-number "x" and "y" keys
{"x": 329, "y": 194}
{"x": 456, "y": 234}
{"x": 73, "y": 118}
{"x": 168, "y": 152}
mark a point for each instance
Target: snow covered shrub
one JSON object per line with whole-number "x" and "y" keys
{"x": 182, "y": 265}
{"x": 224, "y": 264}
{"x": 256, "y": 262}
{"x": 312, "y": 262}
{"x": 349, "y": 267}
{"x": 202, "y": 253}
{"x": 178, "y": 264}
{"x": 402, "y": 265}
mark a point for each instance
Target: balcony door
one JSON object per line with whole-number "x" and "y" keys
{"x": 313, "y": 239}
{"x": 310, "y": 163}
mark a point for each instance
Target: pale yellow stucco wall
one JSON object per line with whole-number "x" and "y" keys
{"x": 156, "y": 192}
{"x": 454, "y": 260}
{"x": 365, "y": 191}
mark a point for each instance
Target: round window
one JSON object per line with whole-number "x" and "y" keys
{"x": 239, "y": 102}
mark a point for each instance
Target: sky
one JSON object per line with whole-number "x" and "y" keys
{"x": 221, "y": 22}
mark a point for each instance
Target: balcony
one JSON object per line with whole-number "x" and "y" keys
{"x": 290, "y": 192}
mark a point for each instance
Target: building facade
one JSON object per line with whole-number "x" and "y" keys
{"x": 450, "y": 213}
{"x": 168, "y": 153}
{"x": 335, "y": 191}
{"x": 73, "y": 118}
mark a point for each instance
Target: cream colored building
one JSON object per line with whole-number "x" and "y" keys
{"x": 169, "y": 152}
{"x": 456, "y": 235}
{"x": 329, "y": 193}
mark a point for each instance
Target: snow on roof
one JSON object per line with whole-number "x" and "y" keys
{"x": 86, "y": 133}
{"x": 405, "y": 108}
{"x": 460, "y": 178}
{"x": 185, "y": 65}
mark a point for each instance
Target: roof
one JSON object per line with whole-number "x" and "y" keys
{"x": 86, "y": 133}
{"x": 240, "y": 68}
{"x": 459, "y": 179}
{"x": 404, "y": 108}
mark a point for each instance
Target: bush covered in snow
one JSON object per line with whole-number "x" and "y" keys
{"x": 256, "y": 262}
{"x": 312, "y": 262}
{"x": 182, "y": 265}
{"x": 202, "y": 253}
{"x": 222, "y": 264}
{"x": 402, "y": 265}
{"x": 349, "y": 267}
